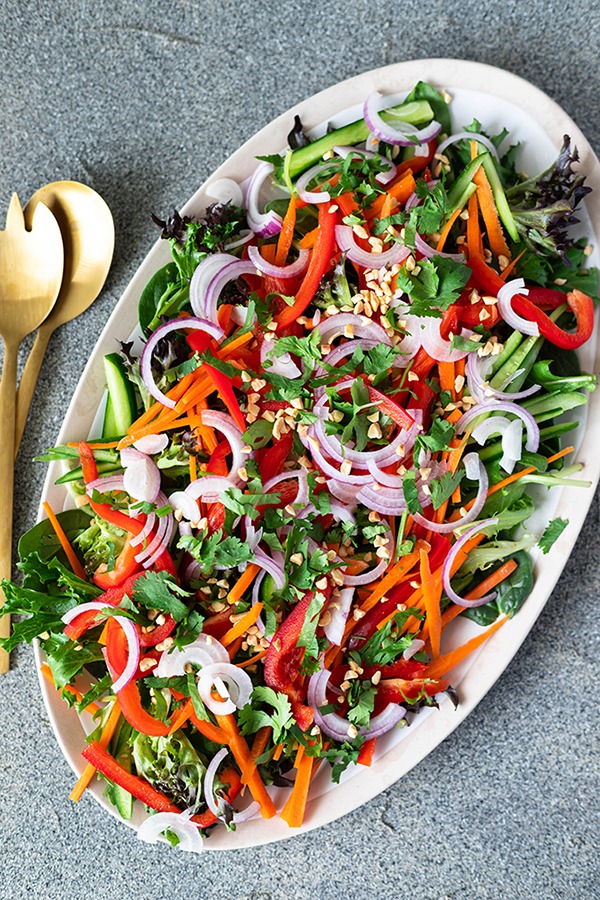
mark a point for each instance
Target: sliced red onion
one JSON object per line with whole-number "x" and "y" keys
{"x": 267, "y": 268}
{"x": 228, "y": 273}
{"x": 304, "y": 180}
{"x": 469, "y": 136}
{"x": 280, "y": 364}
{"x": 263, "y": 224}
{"x": 271, "y": 567}
{"x": 449, "y": 564}
{"x": 145, "y": 532}
{"x": 133, "y": 653}
{"x": 190, "y": 839}
{"x": 480, "y": 389}
{"x": 362, "y": 327}
{"x": 225, "y": 190}
{"x": 209, "y": 487}
{"x": 388, "y": 501}
{"x": 475, "y": 471}
{"x": 182, "y": 502}
{"x": 209, "y": 793}
{"x": 345, "y": 241}
{"x": 202, "y": 277}
{"x": 256, "y": 599}
{"x": 204, "y": 651}
{"x": 533, "y": 432}
{"x": 76, "y": 611}
{"x": 339, "y": 608}
{"x": 238, "y": 687}
{"x": 191, "y": 324}
{"x": 130, "y": 455}
{"x": 372, "y": 574}
{"x": 401, "y": 133}
{"x": 382, "y": 177}
{"x": 344, "y": 492}
{"x": 158, "y": 544}
{"x": 435, "y": 345}
{"x": 505, "y": 295}
{"x": 151, "y": 443}
{"x": 385, "y": 478}
{"x": 225, "y": 424}
{"x": 107, "y": 484}
{"x": 300, "y": 474}
{"x": 512, "y": 445}
{"x": 340, "y": 513}
{"x": 428, "y": 252}
{"x": 313, "y": 446}
{"x": 336, "y": 726}
{"x": 142, "y": 480}
{"x": 414, "y": 648}
{"x": 491, "y": 425}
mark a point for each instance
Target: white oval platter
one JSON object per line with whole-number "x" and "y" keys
{"x": 497, "y": 98}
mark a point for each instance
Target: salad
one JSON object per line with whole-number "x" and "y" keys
{"x": 321, "y": 448}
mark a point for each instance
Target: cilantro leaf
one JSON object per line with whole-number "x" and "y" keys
{"x": 442, "y": 488}
{"x": 411, "y": 492}
{"x": 159, "y": 590}
{"x": 437, "y": 285}
{"x": 252, "y": 717}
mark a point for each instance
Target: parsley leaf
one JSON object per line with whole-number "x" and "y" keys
{"x": 552, "y": 532}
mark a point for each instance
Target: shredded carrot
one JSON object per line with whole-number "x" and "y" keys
{"x": 441, "y": 666}
{"x": 210, "y": 731}
{"x": 294, "y": 809}
{"x": 299, "y": 755}
{"x": 64, "y": 542}
{"x": 447, "y": 229}
{"x": 97, "y": 445}
{"x": 243, "y": 625}
{"x": 193, "y": 469}
{"x": 252, "y": 660}
{"x": 246, "y": 765}
{"x": 181, "y": 716}
{"x": 244, "y": 581}
{"x": 474, "y": 239}
{"x": 389, "y": 204}
{"x": 309, "y": 240}
{"x": 277, "y": 752}
{"x": 104, "y": 740}
{"x": 432, "y": 591}
{"x": 47, "y": 673}
{"x": 287, "y": 233}
{"x": 400, "y": 192}
{"x": 489, "y": 212}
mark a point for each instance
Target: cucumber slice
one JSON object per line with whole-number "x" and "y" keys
{"x": 267, "y": 588}
{"x": 121, "y": 409}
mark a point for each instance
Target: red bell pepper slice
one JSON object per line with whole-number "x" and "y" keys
{"x": 320, "y": 262}
{"x": 142, "y": 790}
{"x": 225, "y": 391}
{"x": 396, "y": 413}
{"x": 125, "y": 566}
{"x": 216, "y": 464}
{"x": 284, "y": 658}
{"x": 580, "y": 304}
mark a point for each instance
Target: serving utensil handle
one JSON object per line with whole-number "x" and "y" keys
{"x": 28, "y": 382}
{"x": 8, "y": 388}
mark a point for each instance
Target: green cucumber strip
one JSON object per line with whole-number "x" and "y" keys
{"x": 303, "y": 158}
{"x": 121, "y": 409}
{"x": 458, "y": 189}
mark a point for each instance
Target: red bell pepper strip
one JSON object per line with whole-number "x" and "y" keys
{"x": 125, "y": 566}
{"x": 129, "y": 696}
{"x": 400, "y": 416}
{"x": 284, "y": 658}
{"x": 271, "y": 459}
{"x": 580, "y": 304}
{"x": 216, "y": 465}
{"x": 545, "y": 298}
{"x": 143, "y": 790}
{"x": 365, "y": 754}
{"x": 320, "y": 262}
{"x": 225, "y": 391}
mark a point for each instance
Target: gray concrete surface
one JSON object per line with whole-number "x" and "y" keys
{"x": 142, "y": 101}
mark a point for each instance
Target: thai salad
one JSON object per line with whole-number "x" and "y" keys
{"x": 322, "y": 451}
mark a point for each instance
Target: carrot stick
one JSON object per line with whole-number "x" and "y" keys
{"x": 490, "y": 215}
{"x": 277, "y": 752}
{"x": 209, "y": 730}
{"x": 474, "y": 239}
{"x": 441, "y": 666}
{"x": 244, "y": 581}
{"x": 97, "y": 445}
{"x": 193, "y": 469}
{"x": 299, "y": 755}
{"x": 294, "y": 809}
{"x": 309, "y": 240}
{"x": 400, "y": 192}
{"x": 105, "y": 739}
{"x": 507, "y": 271}
{"x": 247, "y": 766}
{"x": 64, "y": 542}
{"x": 243, "y": 625}
{"x": 432, "y": 595}
{"x": 447, "y": 377}
{"x": 447, "y": 228}
{"x": 287, "y": 233}
{"x": 47, "y": 673}
{"x": 181, "y": 716}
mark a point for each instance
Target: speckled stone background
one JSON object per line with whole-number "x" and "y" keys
{"x": 142, "y": 101}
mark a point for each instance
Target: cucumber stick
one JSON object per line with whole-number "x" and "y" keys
{"x": 121, "y": 410}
